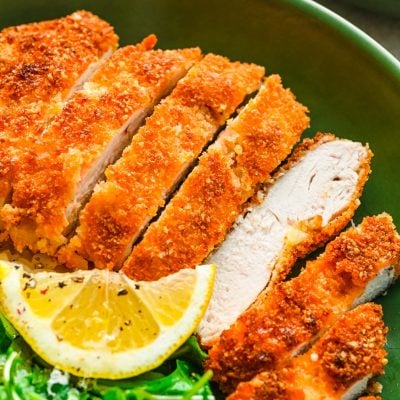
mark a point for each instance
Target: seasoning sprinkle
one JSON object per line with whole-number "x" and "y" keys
{"x": 30, "y": 284}
{"x": 122, "y": 292}
{"x": 44, "y": 291}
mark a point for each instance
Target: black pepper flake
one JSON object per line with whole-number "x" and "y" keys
{"x": 121, "y": 328}
{"x": 61, "y": 284}
{"x": 137, "y": 286}
{"x": 25, "y": 275}
{"x": 30, "y": 284}
{"x": 127, "y": 323}
{"x": 17, "y": 266}
{"x": 122, "y": 292}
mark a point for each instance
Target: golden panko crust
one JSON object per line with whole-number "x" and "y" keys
{"x": 208, "y": 202}
{"x": 131, "y": 81}
{"x": 350, "y": 351}
{"x": 138, "y": 184}
{"x": 40, "y": 60}
{"x": 293, "y": 313}
{"x": 39, "y": 65}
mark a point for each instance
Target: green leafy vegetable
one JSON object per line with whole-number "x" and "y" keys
{"x": 25, "y": 376}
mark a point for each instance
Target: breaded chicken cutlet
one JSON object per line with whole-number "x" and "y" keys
{"x": 41, "y": 65}
{"x": 157, "y": 159}
{"x": 338, "y": 366}
{"x": 89, "y": 133}
{"x": 212, "y": 196}
{"x": 355, "y": 267}
{"x": 325, "y": 177}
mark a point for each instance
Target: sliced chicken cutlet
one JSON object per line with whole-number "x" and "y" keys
{"x": 370, "y": 398}
{"x": 156, "y": 160}
{"x": 90, "y": 133}
{"x": 41, "y": 65}
{"x": 208, "y": 202}
{"x": 337, "y": 367}
{"x": 355, "y": 267}
{"x": 310, "y": 199}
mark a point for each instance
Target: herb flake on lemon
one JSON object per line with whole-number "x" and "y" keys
{"x": 101, "y": 324}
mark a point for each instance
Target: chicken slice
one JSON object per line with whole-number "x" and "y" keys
{"x": 337, "y": 367}
{"x": 208, "y": 202}
{"x": 310, "y": 199}
{"x": 90, "y": 133}
{"x": 355, "y": 267}
{"x": 370, "y": 398}
{"x": 41, "y": 65}
{"x": 156, "y": 160}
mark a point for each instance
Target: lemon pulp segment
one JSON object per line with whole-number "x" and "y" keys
{"x": 101, "y": 324}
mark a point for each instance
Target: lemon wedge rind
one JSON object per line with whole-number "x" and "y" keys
{"x": 101, "y": 362}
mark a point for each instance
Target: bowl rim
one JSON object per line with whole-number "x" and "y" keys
{"x": 357, "y": 36}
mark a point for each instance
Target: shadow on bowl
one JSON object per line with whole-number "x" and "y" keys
{"x": 390, "y": 8}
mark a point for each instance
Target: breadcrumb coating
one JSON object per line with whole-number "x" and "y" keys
{"x": 370, "y": 398}
{"x": 127, "y": 85}
{"x": 208, "y": 202}
{"x": 353, "y": 349}
{"x": 138, "y": 184}
{"x": 290, "y": 316}
{"x": 39, "y": 65}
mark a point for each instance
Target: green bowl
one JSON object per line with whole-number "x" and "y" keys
{"x": 350, "y": 83}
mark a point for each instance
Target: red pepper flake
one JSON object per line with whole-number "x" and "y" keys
{"x": 44, "y": 291}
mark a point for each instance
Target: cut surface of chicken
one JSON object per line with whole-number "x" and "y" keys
{"x": 337, "y": 367}
{"x": 158, "y": 157}
{"x": 284, "y": 321}
{"x": 208, "y": 202}
{"x": 41, "y": 65}
{"x": 310, "y": 199}
{"x": 90, "y": 133}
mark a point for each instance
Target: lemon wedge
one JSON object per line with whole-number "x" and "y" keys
{"x": 100, "y": 324}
